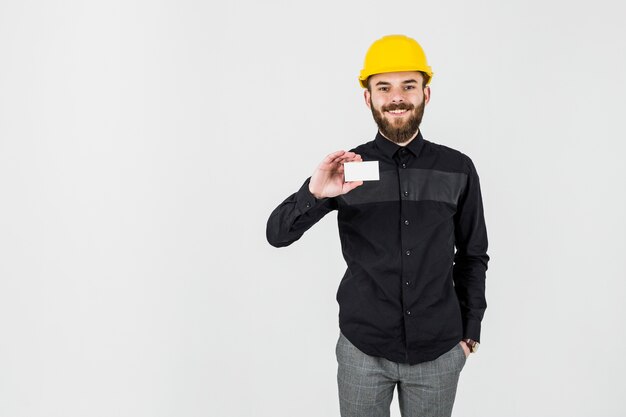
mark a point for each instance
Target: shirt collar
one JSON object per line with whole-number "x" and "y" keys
{"x": 389, "y": 148}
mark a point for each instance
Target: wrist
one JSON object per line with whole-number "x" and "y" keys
{"x": 317, "y": 196}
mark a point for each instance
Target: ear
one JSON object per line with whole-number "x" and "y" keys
{"x": 426, "y": 94}
{"x": 368, "y": 98}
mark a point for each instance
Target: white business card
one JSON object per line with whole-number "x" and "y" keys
{"x": 361, "y": 171}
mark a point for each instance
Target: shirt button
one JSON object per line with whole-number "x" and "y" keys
{"x": 408, "y": 312}
{"x": 403, "y": 151}
{"x": 408, "y": 283}
{"x": 406, "y": 222}
{"x": 308, "y": 204}
{"x": 408, "y": 252}
{"x": 406, "y": 193}
{"x": 403, "y": 165}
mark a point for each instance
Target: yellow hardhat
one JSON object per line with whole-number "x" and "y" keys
{"x": 394, "y": 53}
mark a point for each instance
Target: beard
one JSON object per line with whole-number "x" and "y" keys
{"x": 399, "y": 131}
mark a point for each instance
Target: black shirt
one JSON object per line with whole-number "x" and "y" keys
{"x": 406, "y": 295}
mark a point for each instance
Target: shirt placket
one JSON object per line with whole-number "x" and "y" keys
{"x": 403, "y": 159}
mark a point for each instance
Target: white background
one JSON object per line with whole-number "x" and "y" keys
{"x": 143, "y": 146}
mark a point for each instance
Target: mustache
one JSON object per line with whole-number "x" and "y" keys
{"x": 399, "y": 106}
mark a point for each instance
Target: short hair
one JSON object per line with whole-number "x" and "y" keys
{"x": 424, "y": 78}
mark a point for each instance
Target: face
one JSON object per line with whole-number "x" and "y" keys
{"x": 397, "y": 101}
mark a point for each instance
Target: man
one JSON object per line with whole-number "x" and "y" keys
{"x": 410, "y": 307}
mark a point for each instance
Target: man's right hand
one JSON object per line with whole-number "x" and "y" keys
{"x": 328, "y": 178}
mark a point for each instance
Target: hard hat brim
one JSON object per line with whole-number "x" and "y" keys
{"x": 365, "y": 75}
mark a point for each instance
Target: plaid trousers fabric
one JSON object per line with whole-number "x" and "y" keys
{"x": 366, "y": 383}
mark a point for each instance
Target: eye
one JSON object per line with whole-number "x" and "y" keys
{"x": 409, "y": 87}
{"x": 383, "y": 88}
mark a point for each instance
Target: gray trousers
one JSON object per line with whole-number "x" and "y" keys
{"x": 366, "y": 383}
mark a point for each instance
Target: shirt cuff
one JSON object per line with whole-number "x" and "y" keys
{"x": 305, "y": 200}
{"x": 472, "y": 330}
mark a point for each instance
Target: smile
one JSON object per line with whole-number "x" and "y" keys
{"x": 397, "y": 112}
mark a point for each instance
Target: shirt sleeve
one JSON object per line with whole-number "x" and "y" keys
{"x": 296, "y": 215}
{"x": 470, "y": 259}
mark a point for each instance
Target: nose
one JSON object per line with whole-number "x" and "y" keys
{"x": 397, "y": 96}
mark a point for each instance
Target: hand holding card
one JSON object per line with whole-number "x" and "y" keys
{"x": 328, "y": 178}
